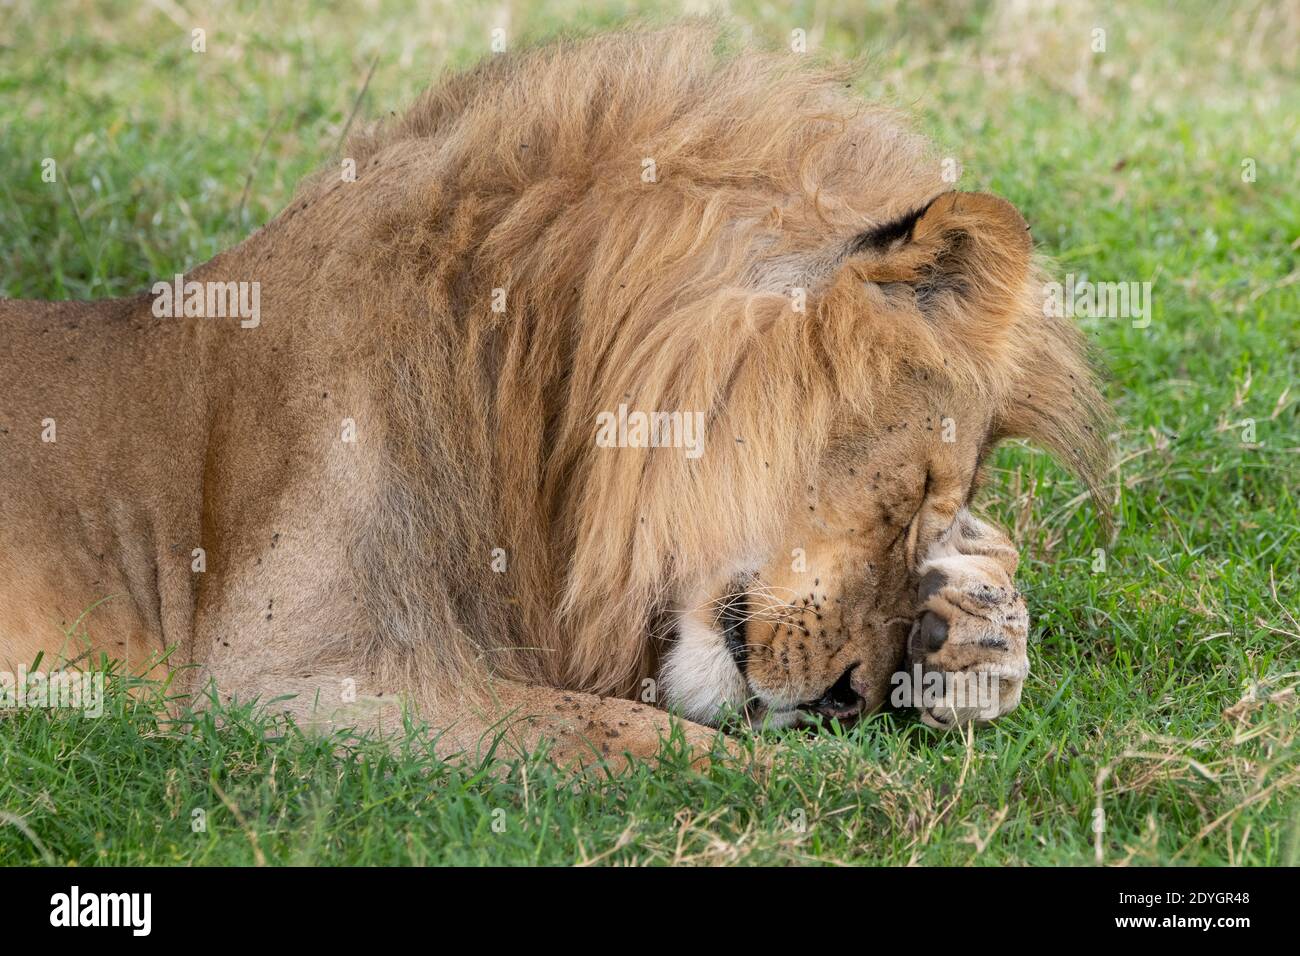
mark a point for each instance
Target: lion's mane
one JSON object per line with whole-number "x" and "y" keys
{"x": 528, "y": 174}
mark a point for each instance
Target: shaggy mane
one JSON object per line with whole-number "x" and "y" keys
{"x": 528, "y": 174}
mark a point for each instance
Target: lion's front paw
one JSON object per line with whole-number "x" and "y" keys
{"x": 970, "y": 643}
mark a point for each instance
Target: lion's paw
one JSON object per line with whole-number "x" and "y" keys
{"x": 973, "y": 631}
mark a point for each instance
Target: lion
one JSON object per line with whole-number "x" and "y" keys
{"x": 362, "y": 478}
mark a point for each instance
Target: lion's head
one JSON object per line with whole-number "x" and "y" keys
{"x": 638, "y": 224}
{"x": 818, "y": 623}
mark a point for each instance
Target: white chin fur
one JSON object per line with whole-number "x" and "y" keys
{"x": 698, "y": 676}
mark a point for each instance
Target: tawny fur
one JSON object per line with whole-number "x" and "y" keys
{"x": 528, "y": 175}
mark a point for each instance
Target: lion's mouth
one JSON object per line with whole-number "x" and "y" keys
{"x": 840, "y": 701}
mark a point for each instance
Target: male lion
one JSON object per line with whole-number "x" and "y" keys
{"x": 383, "y": 489}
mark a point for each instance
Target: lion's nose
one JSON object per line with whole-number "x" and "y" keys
{"x": 840, "y": 699}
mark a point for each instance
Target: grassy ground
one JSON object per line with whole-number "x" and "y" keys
{"x": 1164, "y": 681}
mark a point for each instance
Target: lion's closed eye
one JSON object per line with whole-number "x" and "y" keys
{"x": 980, "y": 474}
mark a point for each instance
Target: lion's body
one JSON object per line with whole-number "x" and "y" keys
{"x": 168, "y": 436}
{"x": 502, "y": 270}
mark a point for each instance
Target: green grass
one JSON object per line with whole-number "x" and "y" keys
{"x": 1163, "y": 687}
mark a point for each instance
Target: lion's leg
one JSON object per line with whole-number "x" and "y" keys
{"x": 510, "y": 718}
{"x": 577, "y": 728}
{"x": 974, "y": 628}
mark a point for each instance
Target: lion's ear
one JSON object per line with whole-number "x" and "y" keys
{"x": 965, "y": 255}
